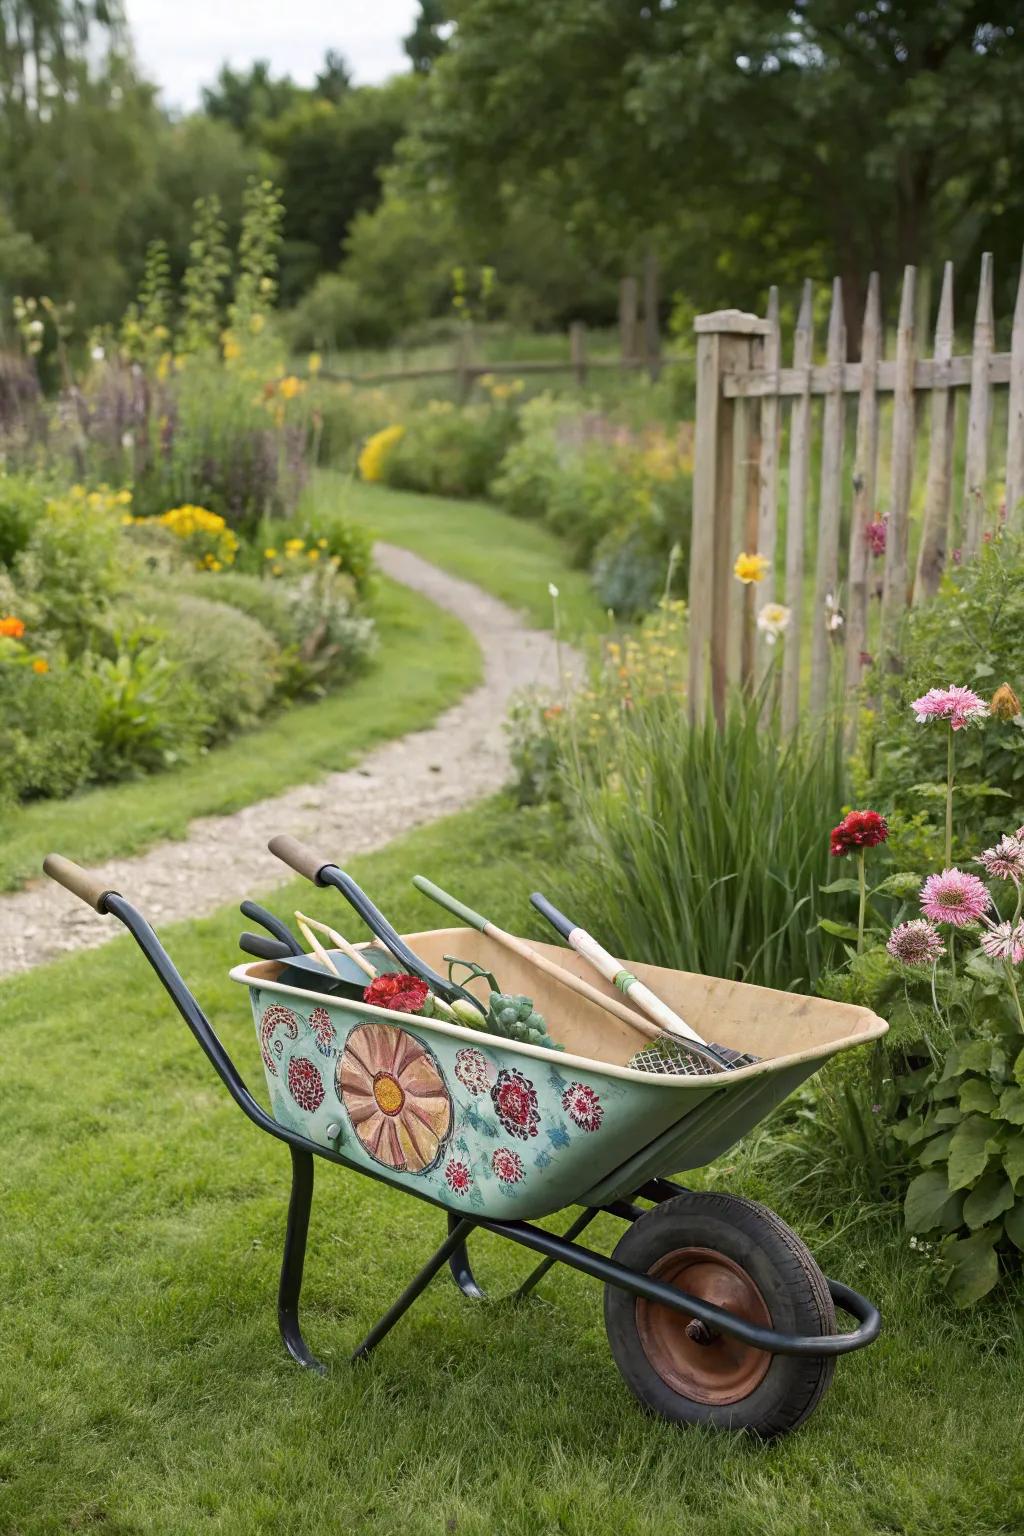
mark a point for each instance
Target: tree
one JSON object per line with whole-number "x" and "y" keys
{"x": 334, "y": 79}
{"x": 858, "y": 136}
{"x": 250, "y": 99}
{"x": 429, "y": 36}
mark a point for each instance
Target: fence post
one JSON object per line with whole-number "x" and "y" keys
{"x": 979, "y": 413}
{"x": 463, "y": 377}
{"x": 627, "y": 319}
{"x": 578, "y": 351}
{"x": 894, "y": 594}
{"x": 931, "y": 556}
{"x": 1015, "y": 432}
{"x": 865, "y": 473}
{"x": 723, "y": 346}
{"x": 799, "y": 460}
{"x": 826, "y": 581}
{"x": 652, "y": 333}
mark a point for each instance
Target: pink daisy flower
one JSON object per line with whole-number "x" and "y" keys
{"x": 915, "y": 943}
{"x": 960, "y": 706}
{"x": 1005, "y": 861}
{"x": 954, "y": 897}
{"x": 1004, "y": 941}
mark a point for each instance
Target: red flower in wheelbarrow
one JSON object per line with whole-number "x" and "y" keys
{"x": 400, "y": 993}
{"x": 515, "y": 1099}
{"x": 392, "y": 1088}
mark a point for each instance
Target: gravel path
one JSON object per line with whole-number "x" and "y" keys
{"x": 403, "y": 784}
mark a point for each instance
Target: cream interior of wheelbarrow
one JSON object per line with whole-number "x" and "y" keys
{"x": 780, "y": 1027}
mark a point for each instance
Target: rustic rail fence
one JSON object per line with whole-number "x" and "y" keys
{"x": 750, "y": 407}
{"x": 639, "y": 348}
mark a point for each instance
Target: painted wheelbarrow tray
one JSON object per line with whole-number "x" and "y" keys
{"x": 715, "y": 1310}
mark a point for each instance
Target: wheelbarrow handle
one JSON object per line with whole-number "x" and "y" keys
{"x": 263, "y": 948}
{"x": 78, "y": 881}
{"x": 299, "y": 857}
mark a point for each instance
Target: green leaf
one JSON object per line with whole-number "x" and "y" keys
{"x": 951, "y": 1065}
{"x": 1013, "y": 1222}
{"x": 1011, "y": 1105}
{"x": 977, "y": 1094}
{"x": 1013, "y": 1156}
{"x": 969, "y": 1151}
{"x": 988, "y": 1199}
{"x": 976, "y": 1056}
{"x": 839, "y": 885}
{"x": 928, "y": 791}
{"x": 903, "y": 884}
{"x": 949, "y": 1115}
{"x": 927, "y": 1201}
{"x": 974, "y": 1266}
{"x": 936, "y": 1150}
{"x": 841, "y": 930}
{"x": 1018, "y": 1069}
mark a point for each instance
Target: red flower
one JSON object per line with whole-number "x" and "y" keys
{"x": 583, "y": 1106}
{"x": 458, "y": 1176}
{"x": 305, "y": 1083}
{"x": 860, "y": 829}
{"x": 508, "y": 1165}
{"x": 403, "y": 994}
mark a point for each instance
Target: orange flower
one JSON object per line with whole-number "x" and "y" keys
{"x": 40, "y": 665}
{"x": 13, "y": 627}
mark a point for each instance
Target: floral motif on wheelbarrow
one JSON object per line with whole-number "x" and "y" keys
{"x": 305, "y": 1084}
{"x": 473, "y": 1070}
{"x": 458, "y": 1176}
{"x": 515, "y": 1101}
{"x": 583, "y": 1107}
{"x": 323, "y": 1030}
{"x": 395, "y": 1095}
{"x": 508, "y": 1165}
{"x": 276, "y": 1016}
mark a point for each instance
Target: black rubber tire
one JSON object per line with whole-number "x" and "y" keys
{"x": 784, "y": 1271}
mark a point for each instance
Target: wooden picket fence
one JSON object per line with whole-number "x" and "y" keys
{"x": 750, "y": 407}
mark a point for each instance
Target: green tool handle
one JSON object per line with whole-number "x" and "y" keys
{"x": 451, "y": 903}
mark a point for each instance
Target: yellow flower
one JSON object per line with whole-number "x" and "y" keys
{"x": 750, "y": 568}
{"x": 294, "y": 547}
{"x": 313, "y": 554}
{"x": 290, "y": 387}
{"x": 314, "y": 363}
{"x": 40, "y": 665}
{"x": 231, "y": 349}
{"x": 321, "y": 543}
{"x": 270, "y": 554}
{"x": 375, "y": 451}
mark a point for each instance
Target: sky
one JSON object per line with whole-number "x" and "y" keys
{"x": 181, "y": 44}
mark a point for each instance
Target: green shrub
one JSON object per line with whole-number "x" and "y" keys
{"x": 228, "y": 657}
{"x": 345, "y": 541}
{"x": 259, "y": 598}
{"x": 72, "y": 564}
{"x": 149, "y": 712}
{"x": 48, "y": 731}
{"x": 22, "y": 504}
{"x": 533, "y": 463}
{"x": 334, "y": 315}
{"x": 451, "y": 451}
{"x": 970, "y": 633}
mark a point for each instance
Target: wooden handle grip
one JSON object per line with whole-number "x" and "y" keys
{"x": 77, "y": 880}
{"x": 298, "y": 857}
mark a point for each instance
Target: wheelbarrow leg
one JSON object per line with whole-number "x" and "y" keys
{"x": 462, "y": 1270}
{"x": 455, "y": 1239}
{"x": 294, "y": 1259}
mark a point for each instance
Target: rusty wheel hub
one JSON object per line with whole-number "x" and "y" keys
{"x": 690, "y": 1356}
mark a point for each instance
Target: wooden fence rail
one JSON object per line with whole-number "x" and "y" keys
{"x": 750, "y": 406}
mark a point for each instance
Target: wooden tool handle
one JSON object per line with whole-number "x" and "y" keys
{"x": 298, "y": 857}
{"x": 78, "y": 881}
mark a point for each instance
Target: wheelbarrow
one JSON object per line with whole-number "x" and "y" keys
{"x": 715, "y": 1311}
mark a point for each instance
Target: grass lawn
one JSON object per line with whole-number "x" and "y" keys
{"x": 143, "y": 1387}
{"x": 507, "y": 556}
{"x": 426, "y": 662}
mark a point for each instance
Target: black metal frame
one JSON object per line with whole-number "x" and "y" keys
{"x": 453, "y": 1251}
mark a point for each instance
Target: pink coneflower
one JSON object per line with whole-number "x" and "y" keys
{"x": 1005, "y": 861}
{"x": 915, "y": 943}
{"x": 1004, "y": 941}
{"x": 954, "y": 897}
{"x": 960, "y": 706}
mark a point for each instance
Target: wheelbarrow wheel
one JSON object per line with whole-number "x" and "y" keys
{"x": 739, "y": 1255}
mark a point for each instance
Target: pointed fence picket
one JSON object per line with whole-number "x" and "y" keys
{"x": 755, "y": 415}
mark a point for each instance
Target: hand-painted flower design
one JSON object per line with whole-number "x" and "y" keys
{"x": 583, "y": 1106}
{"x": 473, "y": 1070}
{"x": 392, "y": 1088}
{"x": 276, "y": 1016}
{"x": 323, "y": 1031}
{"x": 458, "y": 1176}
{"x": 305, "y": 1083}
{"x": 508, "y": 1165}
{"x": 515, "y": 1099}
